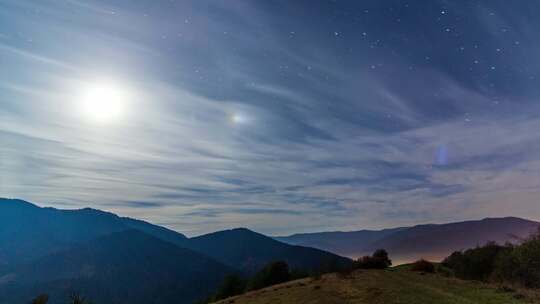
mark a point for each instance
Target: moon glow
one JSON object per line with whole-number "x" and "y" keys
{"x": 104, "y": 102}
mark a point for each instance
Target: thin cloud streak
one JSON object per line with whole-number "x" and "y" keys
{"x": 343, "y": 142}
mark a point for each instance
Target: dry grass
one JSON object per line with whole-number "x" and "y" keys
{"x": 384, "y": 287}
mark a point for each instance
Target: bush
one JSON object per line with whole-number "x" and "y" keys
{"x": 423, "y": 265}
{"x": 379, "y": 260}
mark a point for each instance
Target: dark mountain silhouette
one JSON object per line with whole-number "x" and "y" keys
{"x": 122, "y": 267}
{"x": 120, "y": 260}
{"x": 249, "y": 251}
{"x": 117, "y": 260}
{"x": 28, "y": 231}
{"x": 433, "y": 241}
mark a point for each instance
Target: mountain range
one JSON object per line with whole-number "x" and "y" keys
{"x": 407, "y": 244}
{"x": 113, "y": 259}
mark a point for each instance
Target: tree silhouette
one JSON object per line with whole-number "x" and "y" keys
{"x": 232, "y": 285}
{"x": 41, "y": 299}
{"x": 382, "y": 254}
{"x": 271, "y": 274}
{"x": 379, "y": 260}
{"x": 75, "y": 298}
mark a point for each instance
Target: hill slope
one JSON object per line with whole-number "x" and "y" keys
{"x": 410, "y": 243}
{"x": 381, "y": 287}
{"x": 123, "y": 267}
{"x": 249, "y": 251}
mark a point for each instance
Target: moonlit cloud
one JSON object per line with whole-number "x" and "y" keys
{"x": 252, "y": 113}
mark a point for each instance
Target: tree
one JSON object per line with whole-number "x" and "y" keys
{"x": 271, "y": 274}
{"x": 75, "y": 298}
{"x": 379, "y": 260}
{"x": 516, "y": 264}
{"x": 232, "y": 285}
{"x": 423, "y": 266}
{"x": 521, "y": 264}
{"x": 477, "y": 263}
{"x": 41, "y": 299}
{"x": 382, "y": 255}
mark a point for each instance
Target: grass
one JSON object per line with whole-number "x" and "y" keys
{"x": 384, "y": 287}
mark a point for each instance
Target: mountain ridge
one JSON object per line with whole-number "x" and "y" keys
{"x": 256, "y": 249}
{"x": 110, "y": 258}
{"x": 126, "y": 266}
{"x": 432, "y": 241}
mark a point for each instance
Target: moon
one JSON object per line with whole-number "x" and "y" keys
{"x": 104, "y": 102}
{"x": 239, "y": 119}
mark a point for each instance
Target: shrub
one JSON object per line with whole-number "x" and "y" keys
{"x": 423, "y": 265}
{"x": 379, "y": 260}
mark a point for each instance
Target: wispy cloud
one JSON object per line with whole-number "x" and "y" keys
{"x": 337, "y": 131}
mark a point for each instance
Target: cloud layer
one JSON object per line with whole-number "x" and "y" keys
{"x": 274, "y": 116}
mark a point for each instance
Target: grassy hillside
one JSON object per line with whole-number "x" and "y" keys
{"x": 384, "y": 287}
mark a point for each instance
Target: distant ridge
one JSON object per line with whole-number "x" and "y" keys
{"x": 249, "y": 251}
{"x": 33, "y": 231}
{"x": 431, "y": 241}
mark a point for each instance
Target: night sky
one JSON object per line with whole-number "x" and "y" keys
{"x": 281, "y": 116}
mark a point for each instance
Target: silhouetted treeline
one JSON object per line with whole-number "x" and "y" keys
{"x": 273, "y": 273}
{"x": 41, "y": 299}
{"x": 74, "y": 298}
{"x": 515, "y": 264}
{"x": 278, "y": 272}
{"x": 234, "y": 284}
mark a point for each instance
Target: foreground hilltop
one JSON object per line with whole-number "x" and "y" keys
{"x": 391, "y": 286}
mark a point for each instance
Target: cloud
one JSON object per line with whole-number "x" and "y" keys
{"x": 340, "y": 135}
